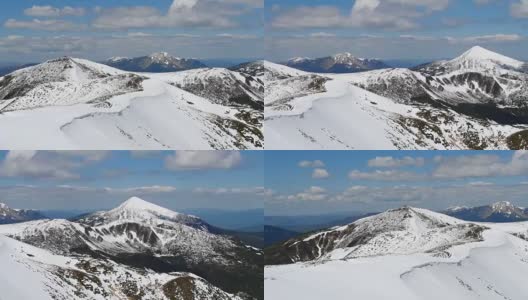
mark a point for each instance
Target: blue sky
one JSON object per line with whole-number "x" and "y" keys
{"x": 395, "y": 29}
{"x": 34, "y": 30}
{"x": 100, "y": 180}
{"x": 316, "y": 182}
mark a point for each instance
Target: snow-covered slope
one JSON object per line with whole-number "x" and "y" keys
{"x": 35, "y": 273}
{"x": 400, "y": 231}
{"x": 398, "y": 109}
{"x": 138, "y": 246}
{"x": 136, "y": 226}
{"x": 76, "y": 104}
{"x": 476, "y": 58}
{"x": 409, "y": 254}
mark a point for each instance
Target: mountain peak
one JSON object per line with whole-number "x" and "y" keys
{"x": 138, "y": 204}
{"x": 157, "y": 54}
{"x": 502, "y": 206}
{"x": 478, "y": 53}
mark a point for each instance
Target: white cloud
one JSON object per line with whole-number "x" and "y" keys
{"x": 389, "y": 175}
{"x": 47, "y": 25}
{"x": 322, "y": 34}
{"x": 198, "y": 160}
{"x": 38, "y": 165}
{"x": 391, "y": 162}
{"x": 520, "y": 9}
{"x": 311, "y": 164}
{"x": 483, "y": 165}
{"x": 493, "y": 38}
{"x": 48, "y": 164}
{"x": 314, "y": 193}
{"x": 257, "y": 191}
{"x": 392, "y": 14}
{"x": 320, "y": 174}
{"x": 144, "y": 189}
{"x": 89, "y": 156}
{"x": 236, "y": 36}
{"x": 50, "y": 11}
{"x": 480, "y": 183}
{"x": 182, "y": 13}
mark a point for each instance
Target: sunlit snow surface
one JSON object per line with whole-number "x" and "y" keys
{"x": 494, "y": 268}
{"x": 371, "y": 110}
{"x": 85, "y": 105}
{"x": 37, "y": 260}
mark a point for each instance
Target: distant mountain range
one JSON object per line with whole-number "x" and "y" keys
{"x": 499, "y": 212}
{"x": 155, "y": 63}
{"x": 339, "y": 63}
{"x": 9, "y": 215}
{"x": 9, "y": 69}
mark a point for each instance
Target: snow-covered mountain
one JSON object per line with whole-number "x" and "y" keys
{"x": 415, "y": 254}
{"x": 400, "y": 231}
{"x": 339, "y": 63}
{"x": 503, "y": 211}
{"x": 475, "y": 101}
{"x": 156, "y": 63}
{"x": 9, "y": 215}
{"x": 77, "y": 104}
{"x": 137, "y": 250}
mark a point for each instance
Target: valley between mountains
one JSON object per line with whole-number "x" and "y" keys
{"x": 404, "y": 253}
{"x": 137, "y": 250}
{"x": 475, "y": 101}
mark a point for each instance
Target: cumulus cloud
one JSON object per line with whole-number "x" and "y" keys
{"x": 388, "y": 175}
{"x": 372, "y": 199}
{"x": 48, "y": 164}
{"x": 391, "y": 162}
{"x": 50, "y": 11}
{"x": 492, "y": 38}
{"x": 39, "y": 48}
{"x": 182, "y": 13}
{"x": 483, "y": 165}
{"x": 320, "y": 173}
{"x": 34, "y": 164}
{"x": 256, "y": 191}
{"x": 394, "y": 14}
{"x": 520, "y": 9}
{"x": 200, "y": 160}
{"x": 311, "y": 164}
{"x": 47, "y": 25}
{"x": 144, "y": 189}
{"x": 313, "y": 193}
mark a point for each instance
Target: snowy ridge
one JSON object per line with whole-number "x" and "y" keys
{"x": 396, "y": 232}
{"x": 79, "y": 104}
{"x": 39, "y": 274}
{"x": 145, "y": 248}
{"x": 426, "y": 108}
{"x": 481, "y": 263}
